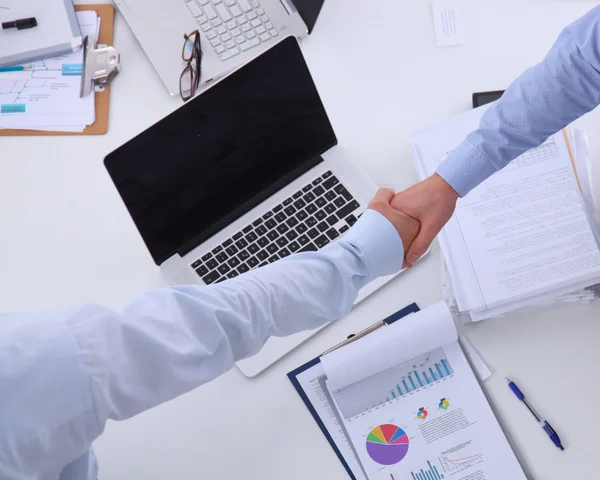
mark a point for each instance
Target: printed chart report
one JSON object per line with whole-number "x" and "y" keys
{"x": 424, "y": 418}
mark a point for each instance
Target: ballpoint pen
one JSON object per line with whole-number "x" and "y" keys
{"x": 16, "y": 68}
{"x": 543, "y": 423}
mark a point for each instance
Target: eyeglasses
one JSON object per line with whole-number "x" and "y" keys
{"x": 192, "y": 55}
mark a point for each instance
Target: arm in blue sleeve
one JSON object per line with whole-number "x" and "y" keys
{"x": 543, "y": 100}
{"x": 64, "y": 374}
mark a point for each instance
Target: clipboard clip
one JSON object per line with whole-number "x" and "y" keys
{"x": 100, "y": 66}
{"x": 355, "y": 336}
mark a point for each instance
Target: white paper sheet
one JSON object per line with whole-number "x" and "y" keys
{"x": 449, "y": 22}
{"x": 402, "y": 340}
{"x": 46, "y": 96}
{"x": 521, "y": 236}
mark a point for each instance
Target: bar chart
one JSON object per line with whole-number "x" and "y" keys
{"x": 394, "y": 383}
{"x": 430, "y": 473}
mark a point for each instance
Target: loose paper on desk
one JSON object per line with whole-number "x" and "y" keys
{"x": 449, "y": 22}
{"x": 523, "y": 235}
{"x": 56, "y": 32}
{"x": 46, "y": 96}
{"x": 412, "y": 407}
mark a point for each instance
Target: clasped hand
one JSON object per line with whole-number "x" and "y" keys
{"x": 418, "y": 213}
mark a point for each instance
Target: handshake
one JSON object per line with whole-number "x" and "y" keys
{"x": 418, "y": 213}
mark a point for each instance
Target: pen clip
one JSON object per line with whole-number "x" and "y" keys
{"x": 353, "y": 337}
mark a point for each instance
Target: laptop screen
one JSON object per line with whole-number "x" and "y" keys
{"x": 221, "y": 154}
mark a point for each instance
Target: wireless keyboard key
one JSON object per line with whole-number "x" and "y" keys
{"x": 297, "y": 195}
{"x": 282, "y": 228}
{"x": 273, "y": 259}
{"x": 351, "y": 220}
{"x": 252, "y": 262}
{"x": 284, "y": 252}
{"x": 222, "y": 279}
{"x": 299, "y": 204}
{"x": 202, "y": 270}
{"x": 321, "y": 202}
{"x": 231, "y": 250}
{"x": 322, "y": 241}
{"x": 278, "y": 208}
{"x": 330, "y": 195}
{"x": 282, "y": 241}
{"x": 332, "y": 219}
{"x": 292, "y": 222}
{"x": 237, "y": 236}
{"x": 243, "y": 255}
{"x": 257, "y": 222}
{"x": 323, "y": 226}
{"x": 291, "y": 235}
{"x": 311, "y": 209}
{"x": 270, "y": 223}
{"x": 317, "y": 181}
{"x": 313, "y": 233}
{"x": 272, "y": 235}
{"x": 247, "y": 229}
{"x": 272, "y": 248}
{"x": 330, "y": 208}
{"x": 227, "y": 242}
{"x": 280, "y": 217}
{"x": 310, "y": 222}
{"x": 290, "y": 211}
{"x": 221, "y": 257}
{"x": 206, "y": 257}
{"x": 287, "y": 201}
{"x": 253, "y": 248}
{"x": 217, "y": 250}
{"x": 232, "y": 274}
{"x": 320, "y": 215}
{"x": 261, "y": 230}
{"x": 262, "y": 255}
{"x": 344, "y": 229}
{"x": 267, "y": 215}
{"x": 348, "y": 209}
{"x": 294, "y": 246}
{"x": 251, "y": 237}
{"x": 303, "y": 228}
{"x": 196, "y": 264}
{"x": 326, "y": 175}
{"x": 307, "y": 188}
{"x": 309, "y": 197}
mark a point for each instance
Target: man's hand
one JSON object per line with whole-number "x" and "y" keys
{"x": 432, "y": 202}
{"x": 408, "y": 228}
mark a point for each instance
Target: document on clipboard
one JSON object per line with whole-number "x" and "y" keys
{"x": 402, "y": 402}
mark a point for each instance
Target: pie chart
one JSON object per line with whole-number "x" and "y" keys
{"x": 387, "y": 444}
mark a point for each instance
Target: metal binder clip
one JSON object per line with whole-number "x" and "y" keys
{"x": 100, "y": 66}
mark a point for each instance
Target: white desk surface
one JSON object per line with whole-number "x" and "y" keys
{"x": 67, "y": 238}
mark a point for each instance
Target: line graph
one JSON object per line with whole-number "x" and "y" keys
{"x": 454, "y": 463}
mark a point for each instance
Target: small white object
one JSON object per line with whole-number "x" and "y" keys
{"x": 449, "y": 22}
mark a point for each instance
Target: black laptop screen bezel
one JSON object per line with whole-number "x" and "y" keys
{"x": 126, "y": 167}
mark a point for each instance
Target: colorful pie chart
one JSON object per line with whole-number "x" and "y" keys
{"x": 444, "y": 404}
{"x": 387, "y": 444}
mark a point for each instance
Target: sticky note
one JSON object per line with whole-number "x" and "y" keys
{"x": 449, "y": 22}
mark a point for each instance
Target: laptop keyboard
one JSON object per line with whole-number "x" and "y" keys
{"x": 232, "y": 26}
{"x": 307, "y": 221}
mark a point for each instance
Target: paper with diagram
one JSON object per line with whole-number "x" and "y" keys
{"x": 417, "y": 417}
{"x": 46, "y": 95}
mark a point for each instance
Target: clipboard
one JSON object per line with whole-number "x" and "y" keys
{"x": 316, "y": 362}
{"x": 101, "y": 99}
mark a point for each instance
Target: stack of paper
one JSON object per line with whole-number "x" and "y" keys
{"x": 521, "y": 238}
{"x": 45, "y": 96}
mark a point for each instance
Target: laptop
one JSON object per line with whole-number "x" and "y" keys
{"x": 242, "y": 175}
{"x": 232, "y": 31}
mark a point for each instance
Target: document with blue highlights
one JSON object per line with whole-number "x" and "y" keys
{"x": 411, "y": 405}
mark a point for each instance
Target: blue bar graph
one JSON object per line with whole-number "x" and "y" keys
{"x": 412, "y": 382}
{"x": 447, "y": 367}
{"x": 405, "y": 386}
{"x": 418, "y": 378}
{"x": 432, "y": 374}
{"x": 426, "y": 377}
{"x": 393, "y": 394}
{"x": 399, "y": 391}
{"x": 437, "y": 366}
{"x": 430, "y": 474}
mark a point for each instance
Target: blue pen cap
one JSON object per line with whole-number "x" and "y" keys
{"x": 553, "y": 435}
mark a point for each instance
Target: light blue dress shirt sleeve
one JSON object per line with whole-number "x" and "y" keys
{"x": 64, "y": 374}
{"x": 543, "y": 100}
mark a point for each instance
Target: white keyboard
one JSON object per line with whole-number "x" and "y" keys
{"x": 232, "y": 26}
